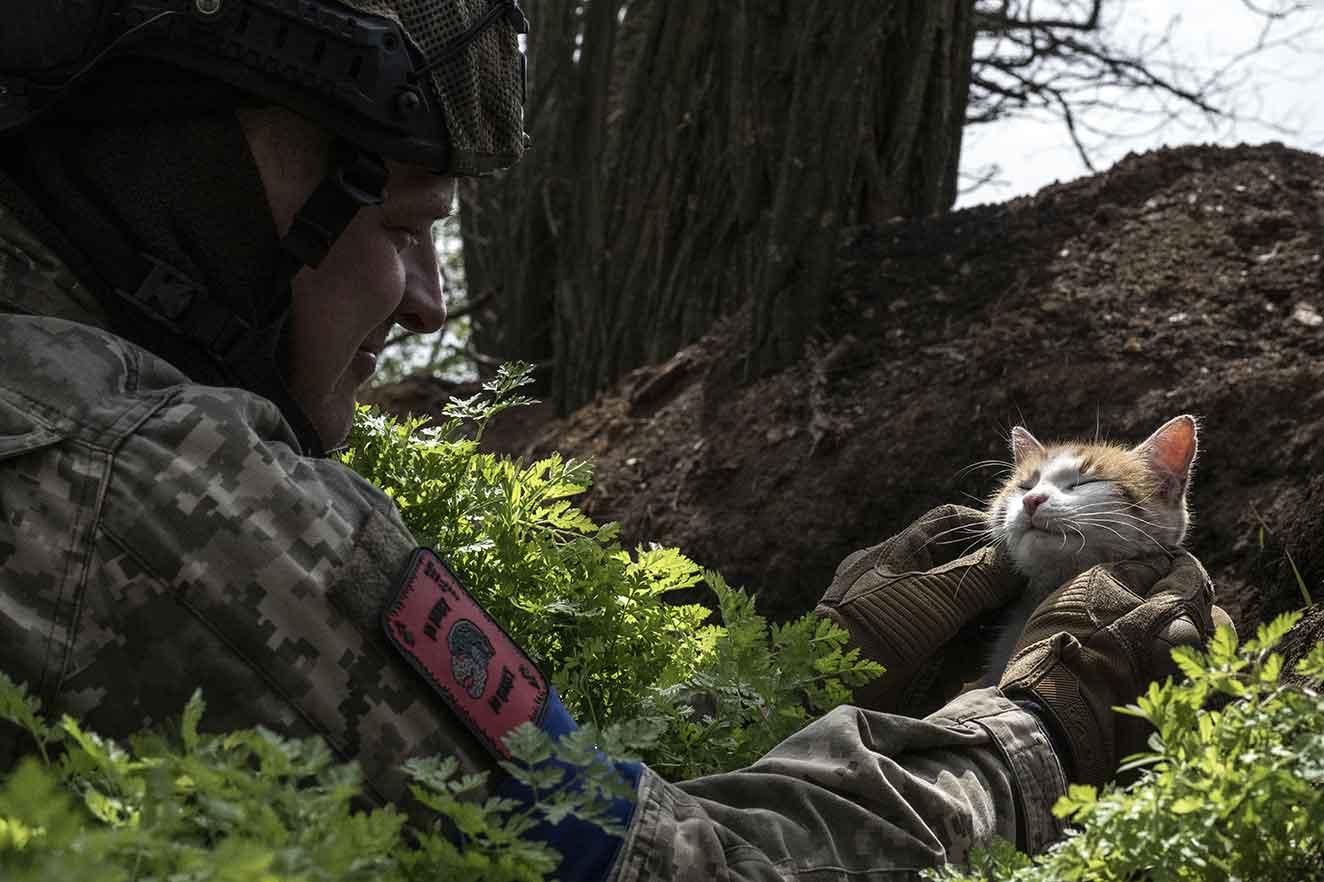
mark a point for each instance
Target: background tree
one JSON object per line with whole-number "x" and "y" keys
{"x": 689, "y": 153}
{"x": 693, "y": 157}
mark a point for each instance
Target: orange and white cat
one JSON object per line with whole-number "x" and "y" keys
{"x": 1071, "y": 505}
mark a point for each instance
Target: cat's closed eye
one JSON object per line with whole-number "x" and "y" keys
{"x": 1083, "y": 481}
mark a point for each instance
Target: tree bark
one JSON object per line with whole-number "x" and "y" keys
{"x": 695, "y": 156}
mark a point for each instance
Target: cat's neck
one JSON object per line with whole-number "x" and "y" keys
{"x": 1042, "y": 579}
{"x": 1046, "y": 573}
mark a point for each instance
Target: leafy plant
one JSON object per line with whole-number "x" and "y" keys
{"x": 594, "y": 614}
{"x": 1233, "y": 786}
{"x": 251, "y": 805}
{"x": 644, "y": 677}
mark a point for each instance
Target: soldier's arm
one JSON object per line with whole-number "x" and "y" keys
{"x": 221, "y": 558}
{"x": 290, "y": 562}
{"x": 224, "y": 560}
{"x": 859, "y": 795}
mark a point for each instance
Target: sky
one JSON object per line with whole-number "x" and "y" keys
{"x": 1279, "y": 94}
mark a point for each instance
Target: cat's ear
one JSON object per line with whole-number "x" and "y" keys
{"x": 1170, "y": 453}
{"x": 1024, "y": 445}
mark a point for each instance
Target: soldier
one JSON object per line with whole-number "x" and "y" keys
{"x": 211, "y": 214}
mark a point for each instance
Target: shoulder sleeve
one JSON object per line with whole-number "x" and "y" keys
{"x": 259, "y": 575}
{"x": 857, "y": 794}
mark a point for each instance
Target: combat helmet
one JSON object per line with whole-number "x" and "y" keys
{"x": 436, "y": 83}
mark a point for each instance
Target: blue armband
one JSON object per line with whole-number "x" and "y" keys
{"x": 587, "y": 850}
{"x": 493, "y": 686}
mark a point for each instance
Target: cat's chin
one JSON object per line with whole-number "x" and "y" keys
{"x": 1045, "y": 559}
{"x": 1041, "y": 540}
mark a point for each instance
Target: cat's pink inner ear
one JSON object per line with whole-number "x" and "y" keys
{"x": 1171, "y": 450}
{"x": 1024, "y": 445}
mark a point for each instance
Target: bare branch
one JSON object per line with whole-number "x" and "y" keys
{"x": 1063, "y": 59}
{"x": 986, "y": 176}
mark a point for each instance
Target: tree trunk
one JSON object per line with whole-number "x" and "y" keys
{"x": 693, "y": 156}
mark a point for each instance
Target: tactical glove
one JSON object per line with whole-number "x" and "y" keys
{"x": 903, "y": 599}
{"x": 1097, "y": 642}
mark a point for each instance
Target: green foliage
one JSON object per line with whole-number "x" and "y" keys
{"x": 251, "y": 805}
{"x": 752, "y": 686}
{"x": 644, "y": 677}
{"x": 700, "y": 698}
{"x": 1233, "y": 787}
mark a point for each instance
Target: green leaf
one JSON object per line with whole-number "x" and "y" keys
{"x": 1078, "y": 798}
{"x": 24, "y": 711}
{"x": 1270, "y": 634}
{"x": 1223, "y": 646}
{"x": 193, "y": 712}
{"x": 1190, "y": 661}
{"x": 1186, "y": 804}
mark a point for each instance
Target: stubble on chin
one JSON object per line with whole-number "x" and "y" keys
{"x": 332, "y": 415}
{"x": 340, "y": 420}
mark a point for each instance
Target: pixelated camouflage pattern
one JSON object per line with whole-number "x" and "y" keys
{"x": 157, "y": 536}
{"x": 33, "y": 281}
{"x": 856, "y": 795}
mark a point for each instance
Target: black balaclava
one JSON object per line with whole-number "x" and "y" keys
{"x": 169, "y": 177}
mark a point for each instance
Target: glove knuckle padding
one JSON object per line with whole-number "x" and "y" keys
{"x": 932, "y": 540}
{"x": 903, "y": 599}
{"x": 1098, "y": 640}
{"x": 1051, "y": 670}
{"x": 911, "y": 613}
{"x": 1086, "y": 632}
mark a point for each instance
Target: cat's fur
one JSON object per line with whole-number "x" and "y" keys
{"x": 1069, "y": 506}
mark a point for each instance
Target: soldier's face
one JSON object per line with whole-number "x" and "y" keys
{"x": 381, "y": 272}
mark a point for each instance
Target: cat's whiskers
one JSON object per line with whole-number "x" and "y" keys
{"x": 1081, "y": 549}
{"x": 998, "y": 539}
{"x": 986, "y": 464}
{"x": 987, "y": 536}
{"x": 1090, "y": 509}
{"x": 972, "y": 529}
{"x": 948, "y": 517}
{"x": 1122, "y": 514}
{"x": 1103, "y": 523}
{"x": 981, "y": 539}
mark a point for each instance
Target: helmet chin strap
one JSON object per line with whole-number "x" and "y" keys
{"x": 356, "y": 179}
{"x": 253, "y": 353}
{"x": 168, "y": 224}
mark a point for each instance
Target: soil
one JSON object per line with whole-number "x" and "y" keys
{"x": 1185, "y": 280}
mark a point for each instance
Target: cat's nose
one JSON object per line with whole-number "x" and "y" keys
{"x": 1032, "y": 501}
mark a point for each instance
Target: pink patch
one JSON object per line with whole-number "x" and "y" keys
{"x": 463, "y": 653}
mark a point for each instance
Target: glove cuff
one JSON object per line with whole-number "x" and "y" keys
{"x": 1052, "y": 728}
{"x": 1042, "y": 673}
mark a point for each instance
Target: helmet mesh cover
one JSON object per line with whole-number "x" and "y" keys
{"x": 480, "y": 88}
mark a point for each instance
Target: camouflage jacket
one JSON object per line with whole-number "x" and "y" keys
{"x": 157, "y": 536}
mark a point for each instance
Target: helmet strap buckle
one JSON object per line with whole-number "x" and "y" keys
{"x": 174, "y": 300}
{"x": 357, "y": 178}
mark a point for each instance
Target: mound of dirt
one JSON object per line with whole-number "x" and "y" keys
{"x": 1181, "y": 281}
